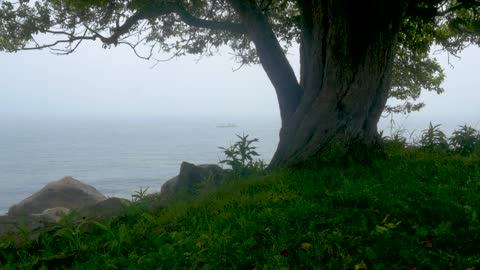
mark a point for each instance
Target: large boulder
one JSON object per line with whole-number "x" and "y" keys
{"x": 66, "y": 192}
{"x": 191, "y": 179}
{"x": 17, "y": 228}
{"x": 13, "y": 227}
{"x": 55, "y": 213}
{"x": 105, "y": 209}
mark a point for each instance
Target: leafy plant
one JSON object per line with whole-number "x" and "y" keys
{"x": 433, "y": 139}
{"x": 138, "y": 195}
{"x": 397, "y": 137}
{"x": 465, "y": 140}
{"x": 71, "y": 236}
{"x": 396, "y": 141}
{"x": 240, "y": 155}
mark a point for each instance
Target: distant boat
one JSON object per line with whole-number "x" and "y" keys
{"x": 227, "y": 125}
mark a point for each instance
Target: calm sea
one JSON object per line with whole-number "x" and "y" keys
{"x": 116, "y": 156}
{"x": 120, "y": 156}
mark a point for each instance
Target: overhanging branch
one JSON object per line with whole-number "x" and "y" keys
{"x": 119, "y": 33}
{"x": 51, "y": 45}
{"x": 124, "y": 28}
{"x": 271, "y": 55}
{"x": 191, "y": 20}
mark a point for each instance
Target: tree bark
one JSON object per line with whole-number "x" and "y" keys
{"x": 347, "y": 52}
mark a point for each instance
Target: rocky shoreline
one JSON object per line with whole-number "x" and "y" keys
{"x": 44, "y": 210}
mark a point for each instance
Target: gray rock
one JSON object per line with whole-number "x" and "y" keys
{"x": 19, "y": 229}
{"x": 55, "y": 213}
{"x": 15, "y": 224}
{"x": 42, "y": 211}
{"x": 66, "y": 192}
{"x": 108, "y": 208}
{"x": 191, "y": 179}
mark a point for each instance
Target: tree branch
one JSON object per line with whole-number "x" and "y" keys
{"x": 70, "y": 40}
{"x": 184, "y": 15}
{"x": 124, "y": 28}
{"x": 272, "y": 57}
{"x": 120, "y": 30}
{"x": 191, "y": 20}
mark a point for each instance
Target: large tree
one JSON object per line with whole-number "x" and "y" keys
{"x": 348, "y": 49}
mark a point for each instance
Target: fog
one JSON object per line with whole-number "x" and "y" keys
{"x": 105, "y": 83}
{"x": 108, "y": 83}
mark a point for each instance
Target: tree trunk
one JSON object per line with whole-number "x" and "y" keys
{"x": 346, "y": 51}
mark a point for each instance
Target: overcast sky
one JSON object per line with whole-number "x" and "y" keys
{"x": 114, "y": 82}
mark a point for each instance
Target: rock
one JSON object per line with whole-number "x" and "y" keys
{"x": 66, "y": 192}
{"x": 14, "y": 227}
{"x": 55, "y": 213}
{"x": 192, "y": 179}
{"x": 42, "y": 211}
{"x": 108, "y": 208}
{"x": 18, "y": 229}
{"x": 14, "y": 224}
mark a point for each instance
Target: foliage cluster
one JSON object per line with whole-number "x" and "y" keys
{"x": 416, "y": 209}
{"x": 464, "y": 141}
{"x": 240, "y": 156}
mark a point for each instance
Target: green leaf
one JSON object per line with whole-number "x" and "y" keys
{"x": 371, "y": 253}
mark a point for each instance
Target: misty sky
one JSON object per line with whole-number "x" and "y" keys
{"x": 114, "y": 82}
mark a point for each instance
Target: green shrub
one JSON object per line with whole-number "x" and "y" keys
{"x": 140, "y": 194}
{"x": 433, "y": 139}
{"x": 396, "y": 142}
{"x": 465, "y": 140}
{"x": 240, "y": 156}
{"x": 395, "y": 137}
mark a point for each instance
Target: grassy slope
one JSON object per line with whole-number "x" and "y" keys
{"x": 411, "y": 210}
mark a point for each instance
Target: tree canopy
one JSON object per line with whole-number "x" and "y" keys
{"x": 450, "y": 26}
{"x": 202, "y": 26}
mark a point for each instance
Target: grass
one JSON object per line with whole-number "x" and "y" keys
{"x": 412, "y": 210}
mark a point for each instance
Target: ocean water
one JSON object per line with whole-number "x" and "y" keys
{"x": 121, "y": 155}
{"x": 116, "y": 156}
